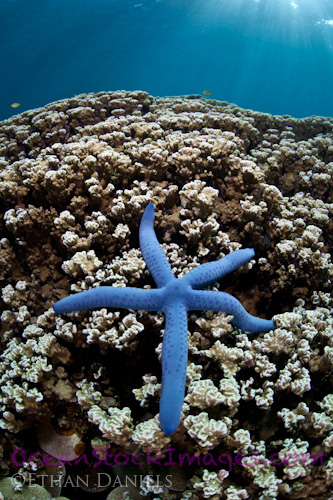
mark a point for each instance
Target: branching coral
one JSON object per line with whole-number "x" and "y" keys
{"x": 75, "y": 177}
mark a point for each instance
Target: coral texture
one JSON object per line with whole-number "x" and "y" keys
{"x": 75, "y": 177}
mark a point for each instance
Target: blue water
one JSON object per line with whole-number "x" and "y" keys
{"x": 274, "y": 56}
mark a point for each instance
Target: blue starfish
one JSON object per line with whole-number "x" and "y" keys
{"x": 174, "y": 297}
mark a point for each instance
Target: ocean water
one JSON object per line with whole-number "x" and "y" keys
{"x": 274, "y": 56}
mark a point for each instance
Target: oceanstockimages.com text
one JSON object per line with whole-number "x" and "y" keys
{"x": 170, "y": 457}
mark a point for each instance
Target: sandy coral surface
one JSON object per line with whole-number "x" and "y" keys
{"x": 75, "y": 177}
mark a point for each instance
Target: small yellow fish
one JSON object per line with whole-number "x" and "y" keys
{"x": 15, "y": 104}
{"x": 206, "y": 92}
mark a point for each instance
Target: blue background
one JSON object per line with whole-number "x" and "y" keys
{"x": 269, "y": 55}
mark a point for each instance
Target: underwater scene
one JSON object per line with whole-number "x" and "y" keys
{"x": 166, "y": 227}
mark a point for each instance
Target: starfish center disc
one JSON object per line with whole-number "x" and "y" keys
{"x": 175, "y": 289}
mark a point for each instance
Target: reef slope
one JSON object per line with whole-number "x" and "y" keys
{"x": 75, "y": 177}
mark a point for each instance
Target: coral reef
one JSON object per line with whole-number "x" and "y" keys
{"x": 75, "y": 177}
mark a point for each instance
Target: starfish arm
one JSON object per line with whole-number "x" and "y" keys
{"x": 152, "y": 251}
{"x": 174, "y": 365}
{"x": 219, "y": 301}
{"x": 213, "y": 271}
{"x": 109, "y": 296}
